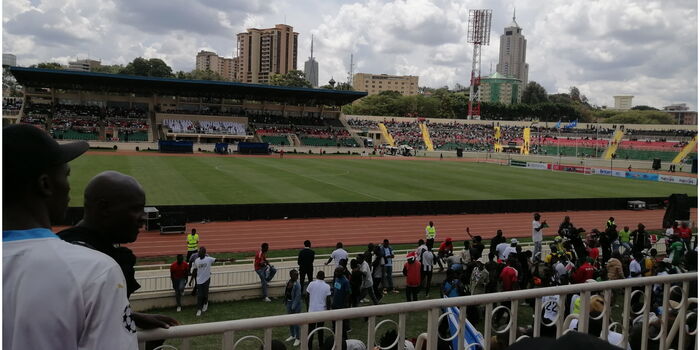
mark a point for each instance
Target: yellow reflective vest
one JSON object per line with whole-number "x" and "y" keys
{"x": 192, "y": 241}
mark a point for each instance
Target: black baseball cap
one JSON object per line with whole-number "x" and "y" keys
{"x": 28, "y": 150}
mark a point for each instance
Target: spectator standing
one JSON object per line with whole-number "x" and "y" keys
{"x": 685, "y": 233}
{"x": 265, "y": 271}
{"x": 566, "y": 228}
{"x": 584, "y": 272}
{"x": 635, "y": 266}
{"x": 179, "y": 271}
{"x": 306, "y": 263}
{"x": 452, "y": 287}
{"x": 640, "y": 239}
{"x": 318, "y": 293}
{"x": 477, "y": 249}
{"x": 537, "y": 227}
{"x": 192, "y": 243}
{"x": 625, "y": 240}
{"x": 367, "y": 287}
{"x": 430, "y": 232}
{"x": 388, "y": 268}
{"x": 92, "y": 312}
{"x": 676, "y": 251}
{"x": 427, "y": 261}
{"x": 202, "y": 265}
{"x": 412, "y": 271}
{"x": 355, "y": 282}
{"x": 292, "y": 300}
{"x": 338, "y": 254}
{"x": 495, "y": 241}
{"x": 341, "y": 296}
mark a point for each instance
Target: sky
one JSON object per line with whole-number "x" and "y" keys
{"x": 648, "y": 49}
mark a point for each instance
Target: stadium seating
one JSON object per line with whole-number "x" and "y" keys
{"x": 71, "y": 134}
{"x": 275, "y": 140}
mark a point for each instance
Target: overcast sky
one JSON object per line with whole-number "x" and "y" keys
{"x": 648, "y": 49}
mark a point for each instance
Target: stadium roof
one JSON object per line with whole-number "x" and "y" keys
{"x": 110, "y": 83}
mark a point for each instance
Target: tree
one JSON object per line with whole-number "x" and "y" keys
{"x": 198, "y": 74}
{"x": 154, "y": 67}
{"x": 47, "y": 65}
{"x": 644, "y": 108}
{"x": 534, "y": 93}
{"x": 560, "y": 98}
{"x": 574, "y": 94}
{"x": 340, "y": 86}
{"x": 641, "y": 117}
{"x": 295, "y": 78}
{"x": 110, "y": 69}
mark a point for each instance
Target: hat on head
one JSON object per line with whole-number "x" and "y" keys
{"x": 411, "y": 256}
{"x": 514, "y": 240}
{"x": 448, "y": 240}
{"x": 28, "y": 150}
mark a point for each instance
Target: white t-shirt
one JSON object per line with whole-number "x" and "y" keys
{"x": 203, "y": 267}
{"x": 318, "y": 291}
{"x": 428, "y": 259}
{"x": 59, "y": 295}
{"x": 635, "y": 267}
{"x": 536, "y": 235}
{"x": 337, "y": 255}
{"x": 366, "y": 275}
{"x": 550, "y": 305}
{"x": 501, "y": 248}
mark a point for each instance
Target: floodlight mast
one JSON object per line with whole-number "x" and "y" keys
{"x": 479, "y": 33}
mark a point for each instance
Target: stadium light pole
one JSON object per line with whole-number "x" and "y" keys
{"x": 478, "y": 33}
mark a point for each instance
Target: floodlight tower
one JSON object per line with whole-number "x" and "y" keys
{"x": 479, "y": 33}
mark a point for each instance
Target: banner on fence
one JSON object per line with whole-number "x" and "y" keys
{"x": 518, "y": 163}
{"x": 678, "y": 179}
{"x": 571, "y": 168}
{"x": 608, "y": 172}
{"x": 539, "y": 166}
{"x": 641, "y": 176}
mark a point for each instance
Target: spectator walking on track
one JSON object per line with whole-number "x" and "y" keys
{"x": 264, "y": 270}
{"x": 338, "y": 254}
{"x": 430, "y": 232}
{"x": 202, "y": 274}
{"x": 192, "y": 243}
{"x": 92, "y": 313}
{"x": 179, "y": 271}
{"x": 306, "y": 263}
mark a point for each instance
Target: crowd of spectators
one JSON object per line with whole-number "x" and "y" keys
{"x": 11, "y": 103}
{"x": 205, "y": 127}
{"x": 405, "y": 133}
{"x": 362, "y": 124}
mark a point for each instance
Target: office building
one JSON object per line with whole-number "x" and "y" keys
{"x": 373, "y": 84}
{"x": 512, "y": 54}
{"x": 9, "y": 59}
{"x": 265, "y": 52}
{"x": 623, "y": 102}
{"x": 225, "y": 67}
{"x": 681, "y": 114}
{"x": 311, "y": 67}
{"x": 84, "y": 65}
{"x": 499, "y": 88}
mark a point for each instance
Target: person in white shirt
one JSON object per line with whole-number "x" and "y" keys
{"x": 92, "y": 311}
{"x": 338, "y": 254}
{"x": 502, "y": 249}
{"x": 318, "y": 293}
{"x": 202, "y": 265}
{"x": 537, "y": 228}
{"x": 635, "y": 267}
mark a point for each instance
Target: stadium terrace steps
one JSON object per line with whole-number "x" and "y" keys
{"x": 387, "y": 136}
{"x": 686, "y": 150}
{"x": 613, "y": 145}
{"x": 426, "y": 137}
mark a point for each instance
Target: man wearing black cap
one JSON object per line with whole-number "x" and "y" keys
{"x": 56, "y": 295}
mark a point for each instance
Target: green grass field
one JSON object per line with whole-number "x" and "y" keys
{"x": 236, "y": 180}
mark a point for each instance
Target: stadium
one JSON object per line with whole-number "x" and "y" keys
{"x": 247, "y": 164}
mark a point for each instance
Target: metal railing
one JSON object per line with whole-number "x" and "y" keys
{"x": 667, "y": 331}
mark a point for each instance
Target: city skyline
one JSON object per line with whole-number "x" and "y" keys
{"x": 604, "y": 48}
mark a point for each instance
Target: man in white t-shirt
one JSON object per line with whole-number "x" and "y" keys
{"x": 202, "y": 268}
{"x": 57, "y": 295}
{"x": 319, "y": 293}
{"x": 338, "y": 254}
{"x": 635, "y": 267}
{"x": 502, "y": 250}
{"x": 537, "y": 228}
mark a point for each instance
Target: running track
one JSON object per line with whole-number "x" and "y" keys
{"x": 246, "y": 236}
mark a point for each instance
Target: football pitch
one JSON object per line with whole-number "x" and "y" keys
{"x": 191, "y": 180}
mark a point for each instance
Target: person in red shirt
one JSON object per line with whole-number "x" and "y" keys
{"x": 263, "y": 268}
{"x": 584, "y": 273}
{"x": 684, "y": 232}
{"x": 179, "y": 270}
{"x": 509, "y": 276}
{"x": 445, "y": 249}
{"x": 412, "y": 269}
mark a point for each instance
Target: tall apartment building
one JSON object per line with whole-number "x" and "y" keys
{"x": 511, "y": 57}
{"x": 84, "y": 65}
{"x": 9, "y": 59}
{"x": 623, "y": 102}
{"x": 264, "y": 52}
{"x": 226, "y": 67}
{"x": 375, "y": 83}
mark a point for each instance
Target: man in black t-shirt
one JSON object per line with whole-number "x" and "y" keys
{"x": 306, "y": 263}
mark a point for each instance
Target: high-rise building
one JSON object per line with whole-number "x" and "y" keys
{"x": 375, "y": 83}
{"x": 311, "y": 67}
{"x": 225, "y": 67}
{"x": 264, "y": 52}
{"x": 84, "y": 65}
{"x": 511, "y": 58}
{"x": 623, "y": 102}
{"x": 9, "y": 59}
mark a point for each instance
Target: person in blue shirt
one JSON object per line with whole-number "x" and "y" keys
{"x": 292, "y": 299}
{"x": 453, "y": 286}
{"x": 388, "y": 268}
{"x": 341, "y": 296}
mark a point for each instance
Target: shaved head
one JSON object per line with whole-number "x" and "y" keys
{"x": 114, "y": 206}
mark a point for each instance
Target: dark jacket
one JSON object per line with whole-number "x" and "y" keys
{"x": 124, "y": 257}
{"x": 306, "y": 259}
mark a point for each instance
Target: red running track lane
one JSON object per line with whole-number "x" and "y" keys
{"x": 246, "y": 236}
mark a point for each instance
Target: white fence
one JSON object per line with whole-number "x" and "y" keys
{"x": 678, "y": 332}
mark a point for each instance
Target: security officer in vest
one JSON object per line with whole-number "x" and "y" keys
{"x": 430, "y": 231}
{"x": 192, "y": 243}
{"x": 610, "y": 223}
